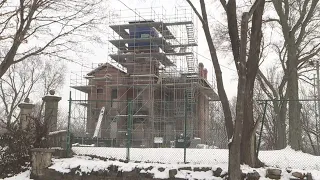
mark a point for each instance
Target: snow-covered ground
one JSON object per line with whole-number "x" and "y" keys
{"x": 285, "y": 158}
{"x": 22, "y": 176}
{"x": 88, "y": 164}
{"x": 173, "y": 158}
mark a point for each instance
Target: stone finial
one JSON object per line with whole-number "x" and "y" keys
{"x": 52, "y": 92}
{"x": 27, "y": 100}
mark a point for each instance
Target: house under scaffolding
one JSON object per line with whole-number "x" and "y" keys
{"x": 157, "y": 71}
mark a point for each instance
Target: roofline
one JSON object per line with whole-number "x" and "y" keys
{"x": 103, "y": 66}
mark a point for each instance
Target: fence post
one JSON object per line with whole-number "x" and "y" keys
{"x": 185, "y": 126}
{"x": 318, "y": 98}
{"x": 129, "y": 128}
{"x": 263, "y": 117}
{"x": 68, "y": 130}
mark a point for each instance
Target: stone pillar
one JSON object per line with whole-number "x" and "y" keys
{"x": 40, "y": 160}
{"x": 51, "y": 110}
{"x": 25, "y": 112}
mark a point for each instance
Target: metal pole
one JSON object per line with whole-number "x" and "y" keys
{"x": 129, "y": 128}
{"x": 68, "y": 130}
{"x": 318, "y": 98}
{"x": 315, "y": 105}
{"x": 185, "y": 126}
{"x": 262, "y": 122}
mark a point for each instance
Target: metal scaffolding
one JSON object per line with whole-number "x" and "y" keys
{"x": 153, "y": 67}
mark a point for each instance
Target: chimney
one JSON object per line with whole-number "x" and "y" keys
{"x": 201, "y": 69}
{"x": 205, "y": 73}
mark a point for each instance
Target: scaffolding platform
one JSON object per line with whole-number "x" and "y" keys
{"x": 159, "y": 26}
{"x": 104, "y": 78}
{"x": 161, "y": 42}
{"x": 162, "y": 57}
{"x": 134, "y": 115}
{"x": 84, "y": 88}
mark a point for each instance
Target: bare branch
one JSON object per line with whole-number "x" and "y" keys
{"x": 25, "y": 79}
{"x": 233, "y": 30}
{"x": 302, "y": 16}
{"x": 224, "y": 4}
{"x": 264, "y": 88}
{"x": 265, "y": 80}
{"x": 195, "y": 10}
{"x": 271, "y": 20}
{"x": 253, "y": 8}
{"x": 310, "y": 55}
{"x": 306, "y": 21}
{"x": 50, "y": 23}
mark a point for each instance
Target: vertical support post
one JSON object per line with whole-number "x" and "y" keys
{"x": 261, "y": 129}
{"x": 185, "y": 126}
{"x": 318, "y": 98}
{"x": 315, "y": 84}
{"x": 68, "y": 130}
{"x": 129, "y": 129}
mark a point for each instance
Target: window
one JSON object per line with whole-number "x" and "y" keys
{"x": 114, "y": 94}
{"x": 138, "y": 98}
{"x": 99, "y": 90}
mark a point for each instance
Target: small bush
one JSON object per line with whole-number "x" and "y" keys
{"x": 16, "y": 145}
{"x": 15, "y": 149}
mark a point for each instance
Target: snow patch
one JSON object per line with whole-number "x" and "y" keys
{"x": 22, "y": 176}
{"x": 85, "y": 164}
{"x": 127, "y": 167}
{"x": 83, "y": 145}
{"x": 230, "y": 140}
{"x": 160, "y": 175}
{"x": 186, "y": 174}
{"x": 57, "y": 132}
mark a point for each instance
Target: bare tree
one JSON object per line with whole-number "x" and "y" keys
{"x": 242, "y": 133}
{"x": 309, "y": 121}
{"x": 310, "y": 138}
{"x": 28, "y": 78}
{"x": 273, "y": 84}
{"x": 51, "y": 28}
{"x": 53, "y": 76}
{"x": 298, "y": 20}
{"x": 15, "y": 87}
{"x": 217, "y": 129}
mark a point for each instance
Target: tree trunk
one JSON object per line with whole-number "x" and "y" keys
{"x": 234, "y": 153}
{"x": 8, "y": 61}
{"x": 295, "y": 132}
{"x": 280, "y": 109}
{"x": 248, "y": 143}
{"x": 248, "y": 154}
{"x": 240, "y": 53}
